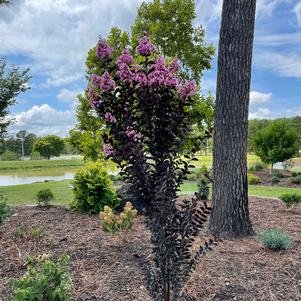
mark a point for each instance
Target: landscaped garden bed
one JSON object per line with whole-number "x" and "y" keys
{"x": 108, "y": 268}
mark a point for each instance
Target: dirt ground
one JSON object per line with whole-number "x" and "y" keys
{"x": 105, "y": 268}
{"x": 285, "y": 181}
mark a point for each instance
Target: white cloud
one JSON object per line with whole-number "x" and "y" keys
{"x": 68, "y": 96}
{"x": 297, "y": 11}
{"x": 43, "y": 120}
{"x": 259, "y": 97}
{"x": 288, "y": 64}
{"x": 262, "y": 113}
{"x": 57, "y": 35}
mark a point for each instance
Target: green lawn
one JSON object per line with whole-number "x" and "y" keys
{"x": 36, "y": 164}
{"x": 254, "y": 190}
{"x": 26, "y": 194}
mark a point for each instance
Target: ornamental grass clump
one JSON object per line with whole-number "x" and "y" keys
{"x": 275, "y": 239}
{"x": 145, "y": 101}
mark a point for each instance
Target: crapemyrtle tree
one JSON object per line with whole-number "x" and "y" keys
{"x": 145, "y": 104}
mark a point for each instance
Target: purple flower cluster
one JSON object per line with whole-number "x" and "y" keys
{"x": 103, "y": 50}
{"x": 188, "y": 89}
{"x": 94, "y": 97}
{"x": 131, "y": 133}
{"x": 174, "y": 66}
{"x": 125, "y": 73}
{"x": 105, "y": 82}
{"x": 162, "y": 76}
{"x": 110, "y": 118}
{"x": 145, "y": 47}
{"x": 108, "y": 149}
{"x": 125, "y": 58}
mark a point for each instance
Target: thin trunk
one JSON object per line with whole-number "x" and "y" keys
{"x": 271, "y": 168}
{"x": 230, "y": 217}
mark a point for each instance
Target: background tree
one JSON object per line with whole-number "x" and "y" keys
{"x": 170, "y": 24}
{"x": 4, "y": 2}
{"x": 12, "y": 82}
{"x": 276, "y": 143}
{"x": 230, "y": 187}
{"x": 48, "y": 146}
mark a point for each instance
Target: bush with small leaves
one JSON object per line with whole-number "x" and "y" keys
{"x": 274, "y": 179}
{"x": 296, "y": 173}
{"x": 257, "y": 166}
{"x": 5, "y": 209}
{"x": 290, "y": 199}
{"x": 275, "y": 239}
{"x": 296, "y": 179}
{"x": 253, "y": 180}
{"x": 112, "y": 223}
{"x": 9, "y": 156}
{"x": 278, "y": 174}
{"x": 35, "y": 156}
{"x": 44, "y": 197}
{"x": 93, "y": 190}
{"x": 44, "y": 280}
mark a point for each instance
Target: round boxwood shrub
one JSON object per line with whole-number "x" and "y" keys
{"x": 92, "y": 189}
{"x": 253, "y": 180}
{"x": 296, "y": 179}
{"x": 275, "y": 239}
{"x": 5, "y": 209}
{"x": 44, "y": 197}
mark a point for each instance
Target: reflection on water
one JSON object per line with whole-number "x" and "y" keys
{"x": 9, "y": 180}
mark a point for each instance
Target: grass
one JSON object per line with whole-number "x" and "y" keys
{"x": 38, "y": 164}
{"x": 62, "y": 190}
{"x": 26, "y": 194}
{"x": 254, "y": 190}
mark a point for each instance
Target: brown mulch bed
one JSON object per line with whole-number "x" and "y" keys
{"x": 285, "y": 181}
{"x": 106, "y": 268}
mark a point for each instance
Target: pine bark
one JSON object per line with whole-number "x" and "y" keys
{"x": 230, "y": 217}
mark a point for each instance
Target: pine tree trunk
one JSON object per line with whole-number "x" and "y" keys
{"x": 230, "y": 217}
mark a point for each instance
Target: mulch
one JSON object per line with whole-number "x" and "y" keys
{"x": 105, "y": 268}
{"x": 285, "y": 181}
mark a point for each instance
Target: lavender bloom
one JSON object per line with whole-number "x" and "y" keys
{"x": 141, "y": 78}
{"x": 125, "y": 73}
{"x": 95, "y": 80}
{"x": 125, "y": 58}
{"x": 188, "y": 89}
{"x": 107, "y": 84}
{"x": 161, "y": 76}
{"x": 174, "y": 66}
{"x": 110, "y": 118}
{"x": 131, "y": 133}
{"x": 108, "y": 149}
{"x": 145, "y": 47}
{"x": 94, "y": 98}
{"x": 103, "y": 50}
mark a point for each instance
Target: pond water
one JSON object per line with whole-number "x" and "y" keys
{"x": 9, "y": 180}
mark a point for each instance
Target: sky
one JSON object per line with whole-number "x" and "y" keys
{"x": 52, "y": 38}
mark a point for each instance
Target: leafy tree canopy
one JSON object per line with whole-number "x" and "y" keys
{"x": 13, "y": 81}
{"x": 276, "y": 143}
{"x": 48, "y": 146}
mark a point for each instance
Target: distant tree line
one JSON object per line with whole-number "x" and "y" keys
{"x": 23, "y": 143}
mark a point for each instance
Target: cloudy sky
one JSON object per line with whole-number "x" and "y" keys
{"x": 52, "y": 37}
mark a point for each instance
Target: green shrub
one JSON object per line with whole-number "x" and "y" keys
{"x": 5, "y": 209}
{"x": 44, "y": 197}
{"x": 35, "y": 156}
{"x": 257, "y": 166}
{"x": 203, "y": 188}
{"x": 44, "y": 280}
{"x": 278, "y": 174}
{"x": 253, "y": 180}
{"x": 112, "y": 223}
{"x": 296, "y": 173}
{"x": 296, "y": 180}
{"x": 93, "y": 190}
{"x": 274, "y": 179}
{"x": 275, "y": 239}
{"x": 9, "y": 156}
{"x": 290, "y": 199}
